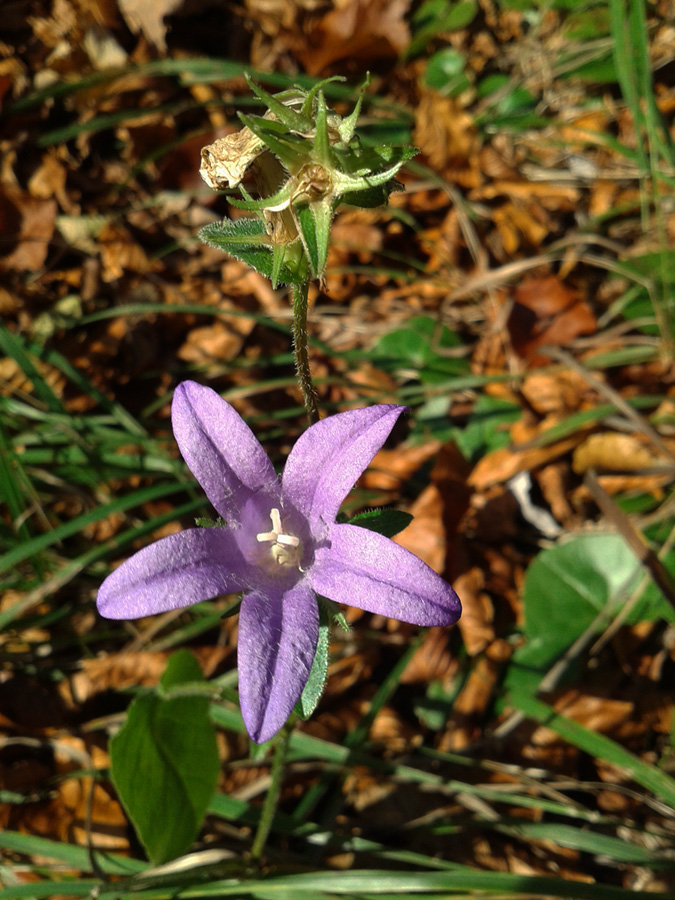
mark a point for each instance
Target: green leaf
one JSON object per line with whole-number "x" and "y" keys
{"x": 388, "y": 522}
{"x": 317, "y": 677}
{"x": 567, "y": 586}
{"x": 247, "y": 240}
{"x": 445, "y": 72}
{"x": 487, "y": 427}
{"x": 422, "y": 344}
{"x": 164, "y": 763}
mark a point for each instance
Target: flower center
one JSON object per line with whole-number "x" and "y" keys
{"x": 286, "y": 549}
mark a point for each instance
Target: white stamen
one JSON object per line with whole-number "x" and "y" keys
{"x": 280, "y": 541}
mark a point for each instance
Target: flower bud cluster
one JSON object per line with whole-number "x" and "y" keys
{"x": 304, "y": 161}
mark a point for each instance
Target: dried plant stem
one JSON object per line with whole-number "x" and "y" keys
{"x": 309, "y": 398}
{"x": 281, "y": 742}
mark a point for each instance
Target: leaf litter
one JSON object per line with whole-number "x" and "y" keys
{"x": 524, "y": 228}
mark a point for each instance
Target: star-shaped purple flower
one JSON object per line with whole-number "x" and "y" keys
{"x": 281, "y": 545}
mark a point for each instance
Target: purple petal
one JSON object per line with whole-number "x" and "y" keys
{"x": 176, "y": 571}
{"x": 276, "y": 647}
{"x": 328, "y": 458}
{"x": 220, "y": 449}
{"x": 367, "y": 570}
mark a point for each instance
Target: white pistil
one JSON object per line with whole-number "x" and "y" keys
{"x": 280, "y": 542}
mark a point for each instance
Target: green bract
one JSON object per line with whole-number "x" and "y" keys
{"x": 304, "y": 160}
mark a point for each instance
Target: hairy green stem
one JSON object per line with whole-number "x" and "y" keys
{"x": 302, "y": 369}
{"x": 273, "y": 792}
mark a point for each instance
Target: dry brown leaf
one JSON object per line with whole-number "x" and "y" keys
{"x": 520, "y": 224}
{"x": 464, "y": 722}
{"x": 600, "y": 714}
{"x": 392, "y": 467}
{"x": 552, "y": 480}
{"x": 219, "y": 342}
{"x": 446, "y": 134}
{"x": 119, "y": 252}
{"x": 547, "y": 311}
{"x": 356, "y": 29}
{"x": 504, "y": 463}
{"x": 561, "y": 392}
{"x": 27, "y": 225}
{"x": 432, "y": 661}
{"x": 148, "y": 18}
{"x": 614, "y": 452}
{"x": 116, "y": 671}
{"x": 425, "y": 536}
{"x": 476, "y": 622}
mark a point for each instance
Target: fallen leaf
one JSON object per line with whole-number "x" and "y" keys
{"x": 27, "y": 224}
{"x": 614, "y": 452}
{"x": 477, "y": 621}
{"x": 547, "y": 311}
{"x": 447, "y": 135}
{"x": 147, "y": 18}
{"x": 356, "y": 29}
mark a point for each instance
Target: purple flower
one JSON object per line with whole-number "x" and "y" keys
{"x": 281, "y": 545}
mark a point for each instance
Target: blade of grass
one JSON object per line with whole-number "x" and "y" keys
{"x": 597, "y": 745}
{"x": 68, "y": 529}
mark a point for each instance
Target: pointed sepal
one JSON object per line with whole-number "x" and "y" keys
{"x": 292, "y": 120}
{"x": 347, "y": 127}
{"x": 314, "y": 221}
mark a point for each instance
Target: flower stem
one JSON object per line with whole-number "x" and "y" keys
{"x": 273, "y": 792}
{"x": 302, "y": 369}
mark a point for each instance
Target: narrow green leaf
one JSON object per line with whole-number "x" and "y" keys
{"x": 319, "y": 673}
{"x": 12, "y": 345}
{"x": 43, "y": 541}
{"x": 652, "y": 778}
{"x": 164, "y": 763}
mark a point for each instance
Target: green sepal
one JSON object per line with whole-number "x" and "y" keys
{"x": 314, "y": 221}
{"x": 248, "y": 241}
{"x": 322, "y": 150}
{"x": 373, "y": 197}
{"x": 294, "y": 121}
{"x": 280, "y": 198}
{"x": 318, "y": 675}
{"x": 206, "y": 522}
{"x": 334, "y": 612}
{"x": 308, "y": 105}
{"x": 278, "y": 256}
{"x": 293, "y": 152}
{"x": 366, "y": 175}
{"x": 388, "y": 522}
{"x": 347, "y": 127}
